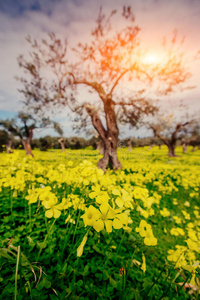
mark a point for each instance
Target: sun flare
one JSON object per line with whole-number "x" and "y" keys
{"x": 151, "y": 59}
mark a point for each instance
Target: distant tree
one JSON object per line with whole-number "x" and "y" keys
{"x": 23, "y": 126}
{"x": 191, "y": 136}
{"x": 61, "y": 141}
{"x": 5, "y": 141}
{"x": 108, "y": 65}
{"x": 76, "y": 143}
{"x": 167, "y": 130}
{"x": 45, "y": 143}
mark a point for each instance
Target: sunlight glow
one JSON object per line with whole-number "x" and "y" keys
{"x": 151, "y": 59}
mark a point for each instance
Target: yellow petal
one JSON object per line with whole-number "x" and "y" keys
{"x": 98, "y": 225}
{"x": 123, "y": 217}
{"x": 117, "y": 224}
{"x": 80, "y": 248}
{"x": 56, "y": 213}
{"x": 119, "y": 202}
{"x": 47, "y": 204}
{"x": 108, "y": 224}
{"x": 92, "y": 195}
{"x": 104, "y": 208}
{"x": 49, "y": 213}
{"x": 111, "y": 214}
{"x": 143, "y": 267}
{"x": 116, "y": 192}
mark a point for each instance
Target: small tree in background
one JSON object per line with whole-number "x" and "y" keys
{"x": 6, "y": 141}
{"x": 23, "y": 127}
{"x": 167, "y": 129}
{"x": 191, "y": 136}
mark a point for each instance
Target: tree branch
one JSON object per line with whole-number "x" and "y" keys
{"x": 156, "y": 133}
{"x": 178, "y": 128}
{"x": 117, "y": 80}
{"x": 96, "y": 86}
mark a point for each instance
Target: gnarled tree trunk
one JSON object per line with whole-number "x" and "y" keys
{"x": 171, "y": 147}
{"x": 9, "y": 146}
{"x": 109, "y": 137}
{"x": 185, "y": 145}
{"x": 27, "y": 147}
{"x": 27, "y": 143}
{"x": 100, "y": 147}
{"x": 129, "y": 146}
{"x": 62, "y": 143}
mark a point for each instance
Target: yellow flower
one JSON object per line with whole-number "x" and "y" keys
{"x": 193, "y": 245}
{"x": 192, "y": 235}
{"x": 145, "y": 231}
{"x": 186, "y": 215}
{"x": 124, "y": 198}
{"x": 79, "y": 250}
{"x": 106, "y": 216}
{"x": 164, "y": 212}
{"x": 119, "y": 221}
{"x": 177, "y": 256}
{"x": 150, "y": 240}
{"x": 142, "y": 228}
{"x": 53, "y": 210}
{"x": 177, "y": 219}
{"x": 33, "y": 196}
{"x": 177, "y": 231}
{"x": 100, "y": 196}
{"x": 143, "y": 212}
{"x": 91, "y": 215}
{"x": 143, "y": 267}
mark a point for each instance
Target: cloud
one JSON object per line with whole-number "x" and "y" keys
{"x": 73, "y": 19}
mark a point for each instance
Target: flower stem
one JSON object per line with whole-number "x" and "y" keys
{"x": 45, "y": 239}
{"x": 16, "y": 271}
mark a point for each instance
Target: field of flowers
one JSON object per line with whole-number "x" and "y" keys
{"x": 70, "y": 231}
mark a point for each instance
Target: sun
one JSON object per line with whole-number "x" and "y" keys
{"x": 151, "y": 59}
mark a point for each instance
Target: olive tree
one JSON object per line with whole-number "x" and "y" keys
{"x": 108, "y": 65}
{"x": 23, "y": 127}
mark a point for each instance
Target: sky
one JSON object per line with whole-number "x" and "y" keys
{"x": 74, "y": 19}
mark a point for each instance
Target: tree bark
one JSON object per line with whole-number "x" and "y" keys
{"x": 27, "y": 147}
{"x": 129, "y": 146}
{"x": 62, "y": 143}
{"x": 109, "y": 137}
{"x": 9, "y": 147}
{"x": 100, "y": 147}
{"x": 185, "y": 145}
{"x": 171, "y": 148}
{"x": 27, "y": 143}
